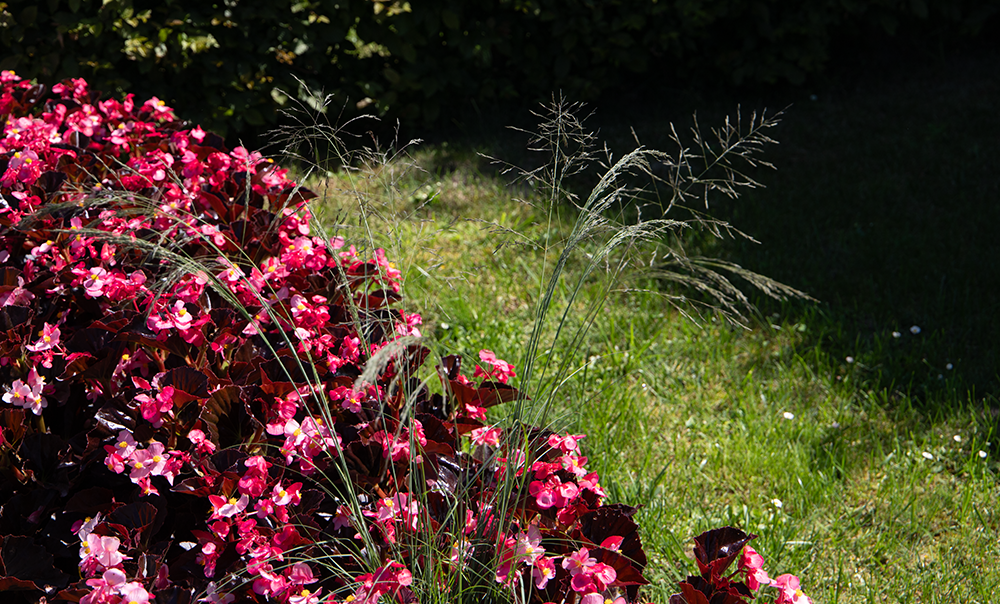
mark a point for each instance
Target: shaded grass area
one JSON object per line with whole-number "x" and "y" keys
{"x": 819, "y": 429}
{"x": 884, "y": 207}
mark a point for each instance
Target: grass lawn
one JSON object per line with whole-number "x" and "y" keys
{"x": 862, "y": 450}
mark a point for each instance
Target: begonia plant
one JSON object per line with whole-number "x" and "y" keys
{"x": 206, "y": 401}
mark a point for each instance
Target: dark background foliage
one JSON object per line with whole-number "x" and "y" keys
{"x": 425, "y": 62}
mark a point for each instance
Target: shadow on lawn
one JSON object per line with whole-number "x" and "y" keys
{"x": 885, "y": 207}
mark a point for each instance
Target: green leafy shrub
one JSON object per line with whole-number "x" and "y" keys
{"x": 232, "y": 65}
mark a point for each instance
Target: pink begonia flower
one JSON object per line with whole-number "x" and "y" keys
{"x": 543, "y": 570}
{"x": 232, "y": 273}
{"x": 342, "y": 519}
{"x": 613, "y": 543}
{"x": 212, "y": 595}
{"x": 158, "y": 108}
{"x": 48, "y": 338}
{"x": 201, "y": 443}
{"x": 83, "y": 528}
{"x": 789, "y": 590}
{"x": 751, "y": 563}
{"x": 590, "y": 482}
{"x": 93, "y": 284}
{"x": 105, "y": 588}
{"x": 134, "y": 593}
{"x": 553, "y": 492}
{"x": 222, "y": 508}
{"x": 568, "y": 444}
{"x": 301, "y": 574}
{"x": 501, "y": 370}
{"x": 305, "y": 597}
{"x": 126, "y": 444}
{"x": 578, "y": 561}
{"x": 18, "y": 395}
{"x": 388, "y": 579}
{"x": 574, "y": 465}
{"x": 103, "y": 550}
{"x": 529, "y": 547}
{"x": 180, "y": 318}
{"x": 148, "y": 462}
{"x": 28, "y": 394}
{"x": 486, "y": 436}
{"x": 291, "y": 495}
{"x": 351, "y": 399}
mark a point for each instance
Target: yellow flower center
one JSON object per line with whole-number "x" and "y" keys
{"x": 272, "y": 268}
{"x": 138, "y": 465}
{"x": 46, "y": 339}
{"x": 182, "y": 312}
{"x": 126, "y": 357}
{"x": 282, "y": 493}
{"x": 304, "y": 593}
{"x": 233, "y": 501}
{"x": 157, "y": 459}
{"x": 122, "y": 444}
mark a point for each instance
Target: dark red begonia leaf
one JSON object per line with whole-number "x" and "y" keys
{"x": 50, "y": 182}
{"x": 111, "y": 419}
{"x": 229, "y": 420}
{"x": 688, "y": 595}
{"x": 142, "y": 519}
{"x": 89, "y": 502}
{"x": 49, "y": 456}
{"x": 12, "y": 423}
{"x": 92, "y": 340}
{"x": 626, "y": 569}
{"x": 25, "y": 560}
{"x": 187, "y": 380}
{"x": 716, "y": 549}
{"x": 378, "y": 299}
{"x": 493, "y": 393}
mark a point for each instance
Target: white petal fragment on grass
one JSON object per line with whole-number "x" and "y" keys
{"x": 927, "y": 456}
{"x": 788, "y": 415}
{"x": 957, "y": 438}
{"x": 915, "y": 329}
{"x": 982, "y": 454}
{"x": 777, "y": 503}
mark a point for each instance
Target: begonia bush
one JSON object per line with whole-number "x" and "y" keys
{"x": 206, "y": 401}
{"x": 185, "y": 433}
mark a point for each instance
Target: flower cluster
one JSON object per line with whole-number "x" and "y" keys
{"x": 715, "y": 551}
{"x": 182, "y": 360}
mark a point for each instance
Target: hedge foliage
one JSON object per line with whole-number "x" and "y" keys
{"x": 223, "y": 62}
